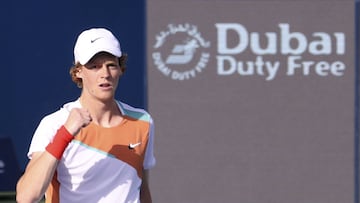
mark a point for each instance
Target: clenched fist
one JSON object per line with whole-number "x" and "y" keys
{"x": 77, "y": 119}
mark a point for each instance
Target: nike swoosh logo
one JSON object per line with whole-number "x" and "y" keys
{"x": 92, "y": 41}
{"x": 132, "y": 146}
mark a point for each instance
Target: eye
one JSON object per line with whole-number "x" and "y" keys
{"x": 92, "y": 66}
{"x": 113, "y": 66}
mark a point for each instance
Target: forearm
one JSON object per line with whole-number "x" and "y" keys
{"x": 40, "y": 170}
{"x": 33, "y": 184}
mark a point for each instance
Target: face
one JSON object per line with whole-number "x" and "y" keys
{"x": 100, "y": 77}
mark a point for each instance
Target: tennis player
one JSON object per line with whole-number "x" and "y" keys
{"x": 96, "y": 148}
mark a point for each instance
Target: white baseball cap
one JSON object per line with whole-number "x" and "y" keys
{"x": 93, "y": 41}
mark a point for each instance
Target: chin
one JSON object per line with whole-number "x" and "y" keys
{"x": 106, "y": 97}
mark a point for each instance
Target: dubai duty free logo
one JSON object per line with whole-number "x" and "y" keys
{"x": 180, "y": 52}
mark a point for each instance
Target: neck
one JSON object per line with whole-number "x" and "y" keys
{"x": 103, "y": 113}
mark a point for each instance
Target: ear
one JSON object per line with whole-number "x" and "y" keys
{"x": 78, "y": 73}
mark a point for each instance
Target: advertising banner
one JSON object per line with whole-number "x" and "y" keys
{"x": 253, "y": 100}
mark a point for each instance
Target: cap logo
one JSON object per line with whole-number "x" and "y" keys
{"x": 92, "y": 41}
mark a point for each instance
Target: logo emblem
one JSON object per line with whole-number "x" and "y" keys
{"x": 93, "y": 40}
{"x": 180, "y": 52}
{"x": 132, "y": 146}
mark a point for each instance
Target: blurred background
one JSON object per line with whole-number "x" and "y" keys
{"x": 225, "y": 130}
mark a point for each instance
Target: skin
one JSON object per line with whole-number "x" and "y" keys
{"x": 100, "y": 78}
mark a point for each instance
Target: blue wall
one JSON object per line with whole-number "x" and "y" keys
{"x": 37, "y": 39}
{"x": 357, "y": 102}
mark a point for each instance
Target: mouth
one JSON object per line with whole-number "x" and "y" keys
{"x": 105, "y": 86}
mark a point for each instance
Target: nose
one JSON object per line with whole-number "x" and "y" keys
{"x": 104, "y": 71}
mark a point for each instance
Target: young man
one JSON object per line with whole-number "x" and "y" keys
{"x": 94, "y": 149}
